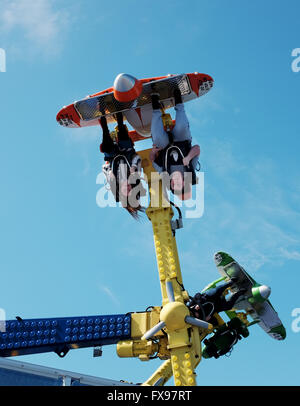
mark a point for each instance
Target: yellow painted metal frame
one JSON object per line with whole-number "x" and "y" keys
{"x": 179, "y": 343}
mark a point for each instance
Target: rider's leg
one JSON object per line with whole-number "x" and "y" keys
{"x": 122, "y": 133}
{"x": 177, "y": 97}
{"x": 229, "y": 303}
{"x": 107, "y": 144}
{"x": 221, "y": 288}
{"x": 215, "y": 293}
{"x": 181, "y": 131}
{"x": 159, "y": 135}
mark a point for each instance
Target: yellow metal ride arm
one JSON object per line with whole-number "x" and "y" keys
{"x": 172, "y": 332}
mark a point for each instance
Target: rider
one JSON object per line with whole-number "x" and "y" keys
{"x": 122, "y": 167}
{"x": 204, "y": 305}
{"x": 172, "y": 150}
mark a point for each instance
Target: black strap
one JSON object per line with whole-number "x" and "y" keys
{"x": 183, "y": 148}
{"x": 115, "y": 161}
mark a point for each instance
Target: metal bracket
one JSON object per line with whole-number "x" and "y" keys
{"x": 176, "y": 224}
{"x": 62, "y": 351}
{"x": 97, "y": 352}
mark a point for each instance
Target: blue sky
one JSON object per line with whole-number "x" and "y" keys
{"x": 61, "y": 255}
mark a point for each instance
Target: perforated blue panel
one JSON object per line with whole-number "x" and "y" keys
{"x": 61, "y": 334}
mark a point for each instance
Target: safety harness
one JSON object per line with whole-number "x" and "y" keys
{"x": 175, "y": 151}
{"x": 206, "y": 307}
{"x": 120, "y": 162}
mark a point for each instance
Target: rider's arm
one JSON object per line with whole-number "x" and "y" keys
{"x": 106, "y": 169}
{"x": 157, "y": 167}
{"x": 194, "y": 151}
{"x": 154, "y": 152}
{"x": 136, "y": 163}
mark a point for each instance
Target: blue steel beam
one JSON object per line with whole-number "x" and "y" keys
{"x": 32, "y": 336}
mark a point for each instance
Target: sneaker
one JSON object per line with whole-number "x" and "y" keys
{"x": 177, "y": 96}
{"x": 103, "y": 122}
{"x": 155, "y": 101}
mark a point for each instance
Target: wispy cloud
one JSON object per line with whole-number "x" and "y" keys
{"x": 85, "y": 141}
{"x": 42, "y": 23}
{"x": 81, "y": 135}
{"x": 249, "y": 212}
{"x": 295, "y": 255}
{"x": 202, "y": 112}
{"x": 110, "y": 294}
